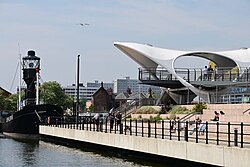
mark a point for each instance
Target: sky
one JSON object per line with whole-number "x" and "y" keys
{"x": 52, "y": 29}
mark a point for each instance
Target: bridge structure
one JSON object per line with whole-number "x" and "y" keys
{"x": 228, "y": 83}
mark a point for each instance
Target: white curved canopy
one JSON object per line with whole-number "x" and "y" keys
{"x": 151, "y": 57}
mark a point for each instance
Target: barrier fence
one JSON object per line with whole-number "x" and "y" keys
{"x": 218, "y": 133}
{"x": 196, "y": 74}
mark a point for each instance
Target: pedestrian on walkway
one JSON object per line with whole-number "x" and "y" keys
{"x": 111, "y": 120}
{"x": 205, "y": 73}
{"x": 209, "y": 72}
{"x": 118, "y": 118}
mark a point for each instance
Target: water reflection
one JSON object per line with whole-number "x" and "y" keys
{"x": 40, "y": 153}
{"x": 27, "y": 152}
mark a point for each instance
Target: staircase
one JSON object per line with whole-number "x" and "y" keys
{"x": 233, "y": 112}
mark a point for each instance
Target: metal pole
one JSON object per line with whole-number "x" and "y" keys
{"x": 235, "y": 137}
{"x": 228, "y": 133}
{"x": 206, "y": 132}
{"x": 186, "y": 132}
{"x": 77, "y": 101}
{"x": 136, "y": 127}
{"x": 37, "y": 85}
{"x": 241, "y": 134}
{"x": 155, "y": 129}
{"x": 162, "y": 129}
{"x": 20, "y": 79}
{"x": 196, "y": 132}
{"x": 217, "y": 132}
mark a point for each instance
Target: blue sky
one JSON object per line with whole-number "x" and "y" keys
{"x": 51, "y": 28}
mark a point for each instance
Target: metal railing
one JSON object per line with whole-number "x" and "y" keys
{"x": 152, "y": 74}
{"x": 228, "y": 134}
{"x": 232, "y": 74}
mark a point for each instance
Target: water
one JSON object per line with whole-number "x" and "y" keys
{"x": 43, "y": 154}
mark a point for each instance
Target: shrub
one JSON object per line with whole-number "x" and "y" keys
{"x": 179, "y": 110}
{"x": 172, "y": 116}
{"x": 199, "y": 107}
{"x": 157, "y": 118}
{"x": 146, "y": 110}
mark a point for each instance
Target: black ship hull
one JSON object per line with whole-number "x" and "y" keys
{"x": 25, "y": 123}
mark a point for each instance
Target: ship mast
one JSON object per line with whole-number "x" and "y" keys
{"x": 20, "y": 79}
{"x": 37, "y": 86}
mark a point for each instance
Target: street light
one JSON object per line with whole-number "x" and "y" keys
{"x": 77, "y": 98}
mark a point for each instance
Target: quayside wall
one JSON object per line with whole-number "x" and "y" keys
{"x": 217, "y": 155}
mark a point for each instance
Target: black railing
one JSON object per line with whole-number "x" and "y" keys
{"x": 232, "y": 74}
{"x": 230, "y": 134}
{"x": 152, "y": 74}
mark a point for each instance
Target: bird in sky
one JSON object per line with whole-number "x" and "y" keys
{"x": 84, "y": 24}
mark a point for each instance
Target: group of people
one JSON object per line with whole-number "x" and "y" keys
{"x": 201, "y": 127}
{"x": 113, "y": 118}
{"x": 217, "y": 115}
{"x": 98, "y": 120}
{"x": 209, "y": 72}
{"x": 174, "y": 123}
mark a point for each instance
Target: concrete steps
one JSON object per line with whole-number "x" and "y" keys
{"x": 233, "y": 112}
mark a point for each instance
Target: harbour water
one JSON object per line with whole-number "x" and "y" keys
{"x": 41, "y": 154}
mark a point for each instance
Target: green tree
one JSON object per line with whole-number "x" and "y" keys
{"x": 91, "y": 107}
{"x": 52, "y": 93}
{"x": 8, "y": 102}
{"x": 2, "y": 100}
{"x": 83, "y": 103}
{"x": 11, "y": 102}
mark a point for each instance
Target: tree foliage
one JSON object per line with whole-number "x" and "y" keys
{"x": 11, "y": 102}
{"x": 52, "y": 93}
{"x": 2, "y": 100}
{"x": 8, "y": 102}
{"x": 91, "y": 107}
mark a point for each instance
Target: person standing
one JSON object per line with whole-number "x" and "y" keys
{"x": 118, "y": 118}
{"x": 205, "y": 73}
{"x": 112, "y": 120}
{"x": 215, "y": 73}
{"x": 101, "y": 120}
{"x": 209, "y": 72}
{"x": 96, "y": 120}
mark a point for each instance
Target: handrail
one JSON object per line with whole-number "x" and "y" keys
{"x": 188, "y": 116}
{"x": 126, "y": 107}
{"x": 246, "y": 110}
{"x": 232, "y": 74}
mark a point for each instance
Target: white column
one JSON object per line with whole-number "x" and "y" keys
{"x": 37, "y": 86}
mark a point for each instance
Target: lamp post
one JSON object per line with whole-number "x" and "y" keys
{"x": 77, "y": 98}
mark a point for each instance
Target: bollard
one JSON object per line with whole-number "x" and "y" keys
{"x": 186, "y": 133}
{"x": 235, "y": 137}
{"x": 121, "y": 128}
{"x": 149, "y": 129}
